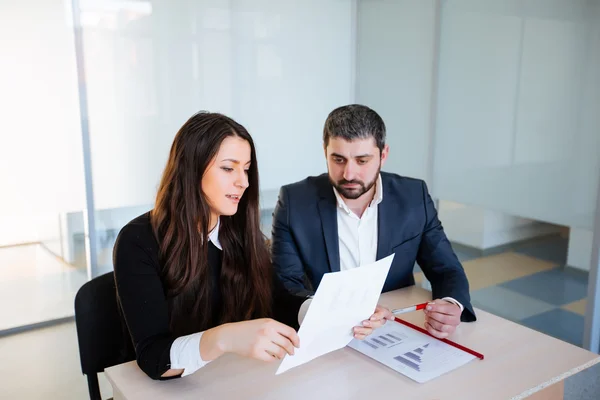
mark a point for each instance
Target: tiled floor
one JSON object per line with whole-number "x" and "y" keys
{"x": 577, "y": 307}
{"x": 559, "y": 323}
{"x": 497, "y": 269}
{"x": 552, "y": 249}
{"x": 529, "y": 284}
{"x": 556, "y": 286}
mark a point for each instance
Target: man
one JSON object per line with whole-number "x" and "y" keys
{"x": 355, "y": 215}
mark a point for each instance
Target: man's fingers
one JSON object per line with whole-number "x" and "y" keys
{"x": 438, "y": 326}
{"x": 378, "y": 324}
{"x": 374, "y": 323}
{"x": 442, "y": 318}
{"x": 434, "y": 331}
{"x": 377, "y": 315}
{"x": 443, "y": 307}
{"x": 445, "y": 319}
{"x": 448, "y": 329}
{"x": 362, "y": 331}
{"x": 383, "y": 313}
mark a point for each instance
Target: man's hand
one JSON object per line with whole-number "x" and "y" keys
{"x": 379, "y": 317}
{"x": 441, "y": 318}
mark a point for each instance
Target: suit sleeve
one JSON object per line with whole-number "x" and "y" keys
{"x": 439, "y": 263}
{"x": 284, "y": 252}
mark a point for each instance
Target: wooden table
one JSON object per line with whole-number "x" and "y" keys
{"x": 519, "y": 362}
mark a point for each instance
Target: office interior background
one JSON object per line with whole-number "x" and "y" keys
{"x": 495, "y": 104}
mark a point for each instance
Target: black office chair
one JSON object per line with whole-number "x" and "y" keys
{"x": 103, "y": 338}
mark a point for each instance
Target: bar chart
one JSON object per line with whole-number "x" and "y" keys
{"x": 384, "y": 340}
{"x": 413, "y": 359}
{"x": 412, "y": 353}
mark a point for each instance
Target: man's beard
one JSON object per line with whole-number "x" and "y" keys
{"x": 354, "y": 193}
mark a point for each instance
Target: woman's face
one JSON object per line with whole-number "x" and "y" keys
{"x": 226, "y": 177}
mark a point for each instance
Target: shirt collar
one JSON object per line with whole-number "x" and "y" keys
{"x": 377, "y": 198}
{"x": 213, "y": 236}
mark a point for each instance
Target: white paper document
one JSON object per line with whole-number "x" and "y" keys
{"x": 342, "y": 301}
{"x": 410, "y": 352}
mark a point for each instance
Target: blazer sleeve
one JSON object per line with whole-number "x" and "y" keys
{"x": 439, "y": 263}
{"x": 143, "y": 303}
{"x": 284, "y": 251}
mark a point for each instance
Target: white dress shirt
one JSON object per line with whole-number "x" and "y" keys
{"x": 358, "y": 235}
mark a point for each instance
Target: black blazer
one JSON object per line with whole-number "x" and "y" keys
{"x": 305, "y": 242}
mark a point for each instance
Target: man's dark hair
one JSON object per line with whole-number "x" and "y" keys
{"x": 352, "y": 122}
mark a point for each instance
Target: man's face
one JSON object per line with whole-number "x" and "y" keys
{"x": 354, "y": 166}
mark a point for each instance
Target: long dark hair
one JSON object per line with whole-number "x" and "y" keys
{"x": 180, "y": 221}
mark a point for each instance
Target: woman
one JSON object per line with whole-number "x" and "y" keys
{"x": 193, "y": 275}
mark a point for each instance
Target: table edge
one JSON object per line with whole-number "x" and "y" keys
{"x": 557, "y": 379}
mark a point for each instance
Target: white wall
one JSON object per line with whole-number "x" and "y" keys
{"x": 580, "y": 249}
{"x": 484, "y": 229}
{"x": 512, "y": 136}
{"x": 394, "y": 76}
{"x": 30, "y": 228}
{"x": 41, "y": 172}
{"x": 581, "y": 240}
{"x": 463, "y": 224}
{"x": 508, "y": 107}
{"x": 501, "y": 229}
{"x": 516, "y": 131}
{"x": 276, "y": 67}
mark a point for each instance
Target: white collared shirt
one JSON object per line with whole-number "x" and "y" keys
{"x": 358, "y": 235}
{"x": 213, "y": 236}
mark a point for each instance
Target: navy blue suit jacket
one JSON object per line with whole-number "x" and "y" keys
{"x": 305, "y": 242}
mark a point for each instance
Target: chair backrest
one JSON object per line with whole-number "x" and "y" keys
{"x": 102, "y": 336}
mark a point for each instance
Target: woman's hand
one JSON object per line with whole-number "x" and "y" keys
{"x": 376, "y": 320}
{"x": 263, "y": 339}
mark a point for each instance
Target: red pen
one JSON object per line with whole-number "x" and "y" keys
{"x": 409, "y": 309}
{"x": 450, "y": 342}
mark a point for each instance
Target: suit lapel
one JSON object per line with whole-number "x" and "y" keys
{"x": 328, "y": 213}
{"x": 384, "y": 223}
